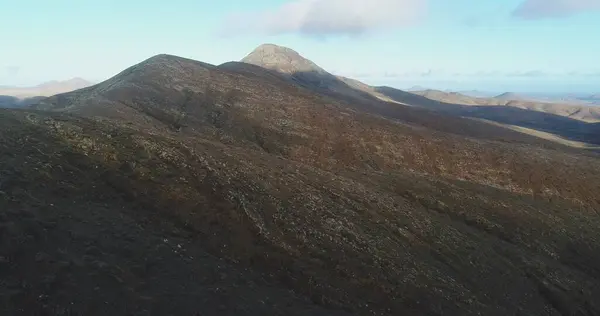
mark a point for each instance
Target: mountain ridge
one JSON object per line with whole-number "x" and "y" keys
{"x": 183, "y": 79}
{"x": 510, "y": 96}
{"x": 568, "y": 123}
{"x": 281, "y": 59}
{"x": 182, "y": 187}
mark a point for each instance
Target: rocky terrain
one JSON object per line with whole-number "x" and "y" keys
{"x": 179, "y": 187}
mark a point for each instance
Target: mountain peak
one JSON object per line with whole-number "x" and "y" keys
{"x": 79, "y": 81}
{"x": 509, "y": 96}
{"x": 71, "y": 84}
{"x": 276, "y": 48}
{"x": 281, "y": 59}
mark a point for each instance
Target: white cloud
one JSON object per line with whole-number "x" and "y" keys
{"x": 536, "y": 9}
{"x": 329, "y": 17}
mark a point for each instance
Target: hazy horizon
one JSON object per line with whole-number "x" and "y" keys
{"x": 486, "y": 88}
{"x": 515, "y": 45}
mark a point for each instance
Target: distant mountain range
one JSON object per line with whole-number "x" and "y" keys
{"x": 569, "y": 98}
{"x": 578, "y": 110}
{"x": 23, "y": 96}
{"x": 15, "y": 97}
{"x": 509, "y": 96}
{"x": 45, "y": 89}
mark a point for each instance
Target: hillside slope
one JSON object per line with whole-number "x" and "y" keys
{"x": 272, "y": 199}
{"x": 305, "y": 72}
{"x": 302, "y": 71}
{"x": 567, "y": 121}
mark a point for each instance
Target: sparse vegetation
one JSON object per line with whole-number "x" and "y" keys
{"x": 179, "y": 187}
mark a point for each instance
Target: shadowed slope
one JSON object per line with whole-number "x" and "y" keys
{"x": 97, "y": 219}
{"x": 583, "y": 113}
{"x": 507, "y": 113}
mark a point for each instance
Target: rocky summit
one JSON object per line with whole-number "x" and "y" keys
{"x": 183, "y": 188}
{"x": 281, "y": 59}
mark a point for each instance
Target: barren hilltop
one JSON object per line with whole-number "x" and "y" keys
{"x": 271, "y": 187}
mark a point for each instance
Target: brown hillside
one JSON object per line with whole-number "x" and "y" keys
{"x": 566, "y": 121}
{"x": 181, "y": 187}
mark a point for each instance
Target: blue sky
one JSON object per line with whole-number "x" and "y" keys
{"x": 499, "y": 45}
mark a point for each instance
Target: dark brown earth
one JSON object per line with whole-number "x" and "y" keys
{"x": 182, "y": 188}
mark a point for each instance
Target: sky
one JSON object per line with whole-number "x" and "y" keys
{"x": 489, "y": 45}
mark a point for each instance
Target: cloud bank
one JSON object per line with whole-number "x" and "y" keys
{"x": 328, "y": 17}
{"x": 538, "y": 9}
